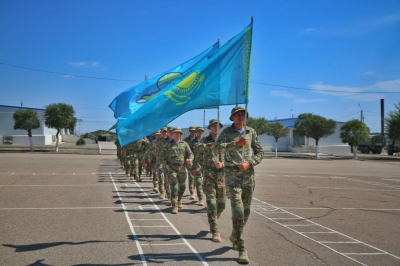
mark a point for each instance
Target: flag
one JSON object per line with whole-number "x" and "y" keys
{"x": 133, "y": 98}
{"x": 219, "y": 79}
{"x": 113, "y": 127}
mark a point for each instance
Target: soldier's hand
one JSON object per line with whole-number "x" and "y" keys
{"x": 193, "y": 173}
{"x": 149, "y": 160}
{"x": 154, "y": 170}
{"x": 144, "y": 162}
{"x": 241, "y": 142}
{"x": 213, "y": 145}
{"x": 219, "y": 165}
{"x": 188, "y": 162}
{"x": 243, "y": 167}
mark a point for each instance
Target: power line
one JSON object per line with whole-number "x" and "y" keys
{"x": 254, "y": 82}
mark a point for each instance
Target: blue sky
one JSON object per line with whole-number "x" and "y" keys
{"x": 325, "y": 45}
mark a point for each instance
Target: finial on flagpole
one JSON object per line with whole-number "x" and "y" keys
{"x": 219, "y": 43}
{"x": 251, "y": 19}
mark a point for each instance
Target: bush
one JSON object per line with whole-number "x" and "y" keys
{"x": 80, "y": 142}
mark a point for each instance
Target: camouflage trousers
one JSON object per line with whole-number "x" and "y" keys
{"x": 155, "y": 176}
{"x": 214, "y": 189}
{"x": 196, "y": 184}
{"x": 167, "y": 179}
{"x": 178, "y": 184}
{"x": 134, "y": 167}
{"x": 240, "y": 187}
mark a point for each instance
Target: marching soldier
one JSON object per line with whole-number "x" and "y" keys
{"x": 179, "y": 157}
{"x": 239, "y": 173}
{"x": 198, "y": 182}
{"x": 190, "y": 141}
{"x": 213, "y": 174}
{"x": 149, "y": 160}
{"x": 162, "y": 159}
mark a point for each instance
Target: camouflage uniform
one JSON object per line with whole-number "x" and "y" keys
{"x": 160, "y": 166}
{"x": 143, "y": 147}
{"x": 239, "y": 185}
{"x": 190, "y": 142}
{"x": 149, "y": 154}
{"x": 198, "y": 179}
{"x": 214, "y": 180}
{"x": 177, "y": 154}
{"x": 162, "y": 160}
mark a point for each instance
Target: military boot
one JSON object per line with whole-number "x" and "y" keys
{"x": 155, "y": 190}
{"x": 162, "y": 196}
{"x": 175, "y": 209}
{"x": 216, "y": 237}
{"x": 243, "y": 258}
{"x": 201, "y": 203}
{"x": 233, "y": 240}
{"x": 180, "y": 206}
{"x": 192, "y": 195}
{"x": 169, "y": 203}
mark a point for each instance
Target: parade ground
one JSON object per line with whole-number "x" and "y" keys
{"x": 70, "y": 209}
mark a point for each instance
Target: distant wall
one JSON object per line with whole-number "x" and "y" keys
{"x": 24, "y": 140}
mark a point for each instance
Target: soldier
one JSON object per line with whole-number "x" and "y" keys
{"x": 179, "y": 157}
{"x": 198, "y": 181}
{"x": 239, "y": 173}
{"x": 160, "y": 169}
{"x": 143, "y": 147}
{"x": 213, "y": 173}
{"x": 149, "y": 160}
{"x": 162, "y": 159}
{"x": 190, "y": 141}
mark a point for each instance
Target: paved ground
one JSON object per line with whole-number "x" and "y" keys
{"x": 81, "y": 210}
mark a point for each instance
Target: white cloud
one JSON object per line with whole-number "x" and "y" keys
{"x": 93, "y": 64}
{"x": 67, "y": 76}
{"x": 304, "y": 100}
{"x": 368, "y": 73}
{"x": 284, "y": 94}
{"x": 391, "y": 85}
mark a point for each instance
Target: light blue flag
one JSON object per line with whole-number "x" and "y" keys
{"x": 220, "y": 79}
{"x": 134, "y": 98}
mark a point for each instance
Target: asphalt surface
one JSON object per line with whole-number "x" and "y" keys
{"x": 64, "y": 209}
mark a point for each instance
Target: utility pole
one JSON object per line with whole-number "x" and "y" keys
{"x": 362, "y": 114}
{"x": 382, "y": 117}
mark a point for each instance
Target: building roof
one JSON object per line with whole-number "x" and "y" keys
{"x": 19, "y": 107}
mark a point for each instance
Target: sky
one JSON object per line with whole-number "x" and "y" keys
{"x": 332, "y": 45}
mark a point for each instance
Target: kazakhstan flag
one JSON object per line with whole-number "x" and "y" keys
{"x": 219, "y": 79}
{"x": 134, "y": 98}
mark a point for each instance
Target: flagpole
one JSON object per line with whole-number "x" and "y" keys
{"x": 245, "y": 114}
{"x": 219, "y": 45}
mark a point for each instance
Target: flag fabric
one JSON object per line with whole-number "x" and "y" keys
{"x": 113, "y": 127}
{"x": 135, "y": 97}
{"x": 219, "y": 79}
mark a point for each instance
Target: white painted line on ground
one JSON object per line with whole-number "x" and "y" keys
{"x": 317, "y": 232}
{"x": 340, "y": 242}
{"x": 366, "y": 253}
{"x": 284, "y": 218}
{"x": 151, "y": 226}
{"x": 33, "y": 174}
{"x": 201, "y": 259}
{"x": 144, "y": 262}
{"x": 319, "y": 242}
{"x": 84, "y": 185}
{"x": 171, "y": 256}
{"x": 134, "y": 219}
{"x": 300, "y": 224}
{"x": 340, "y": 208}
{"x": 62, "y": 208}
{"x": 176, "y": 244}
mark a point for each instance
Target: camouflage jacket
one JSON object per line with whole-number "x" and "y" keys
{"x": 150, "y": 150}
{"x": 162, "y": 152}
{"x": 177, "y": 154}
{"x": 190, "y": 141}
{"x": 253, "y": 152}
{"x": 204, "y": 155}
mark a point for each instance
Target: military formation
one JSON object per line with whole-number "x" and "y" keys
{"x": 217, "y": 167}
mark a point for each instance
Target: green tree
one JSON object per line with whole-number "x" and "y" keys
{"x": 354, "y": 132}
{"x": 393, "y": 123}
{"x": 277, "y": 130}
{"x": 59, "y": 116}
{"x": 26, "y": 120}
{"x": 315, "y": 126}
{"x": 259, "y": 124}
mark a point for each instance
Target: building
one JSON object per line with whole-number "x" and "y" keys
{"x": 40, "y": 136}
{"x": 296, "y": 143}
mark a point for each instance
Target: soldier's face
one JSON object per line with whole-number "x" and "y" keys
{"x": 157, "y": 136}
{"x": 214, "y": 128}
{"x": 176, "y": 136}
{"x": 164, "y": 134}
{"x": 169, "y": 134}
{"x": 238, "y": 119}
{"x": 199, "y": 134}
{"x": 192, "y": 133}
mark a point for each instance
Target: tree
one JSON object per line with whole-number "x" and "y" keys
{"x": 354, "y": 132}
{"x": 393, "y": 123}
{"x": 59, "y": 116}
{"x": 259, "y": 124}
{"x": 315, "y": 126}
{"x": 277, "y": 130}
{"x": 26, "y": 120}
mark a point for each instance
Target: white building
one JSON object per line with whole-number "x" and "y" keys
{"x": 294, "y": 142}
{"x": 40, "y": 136}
